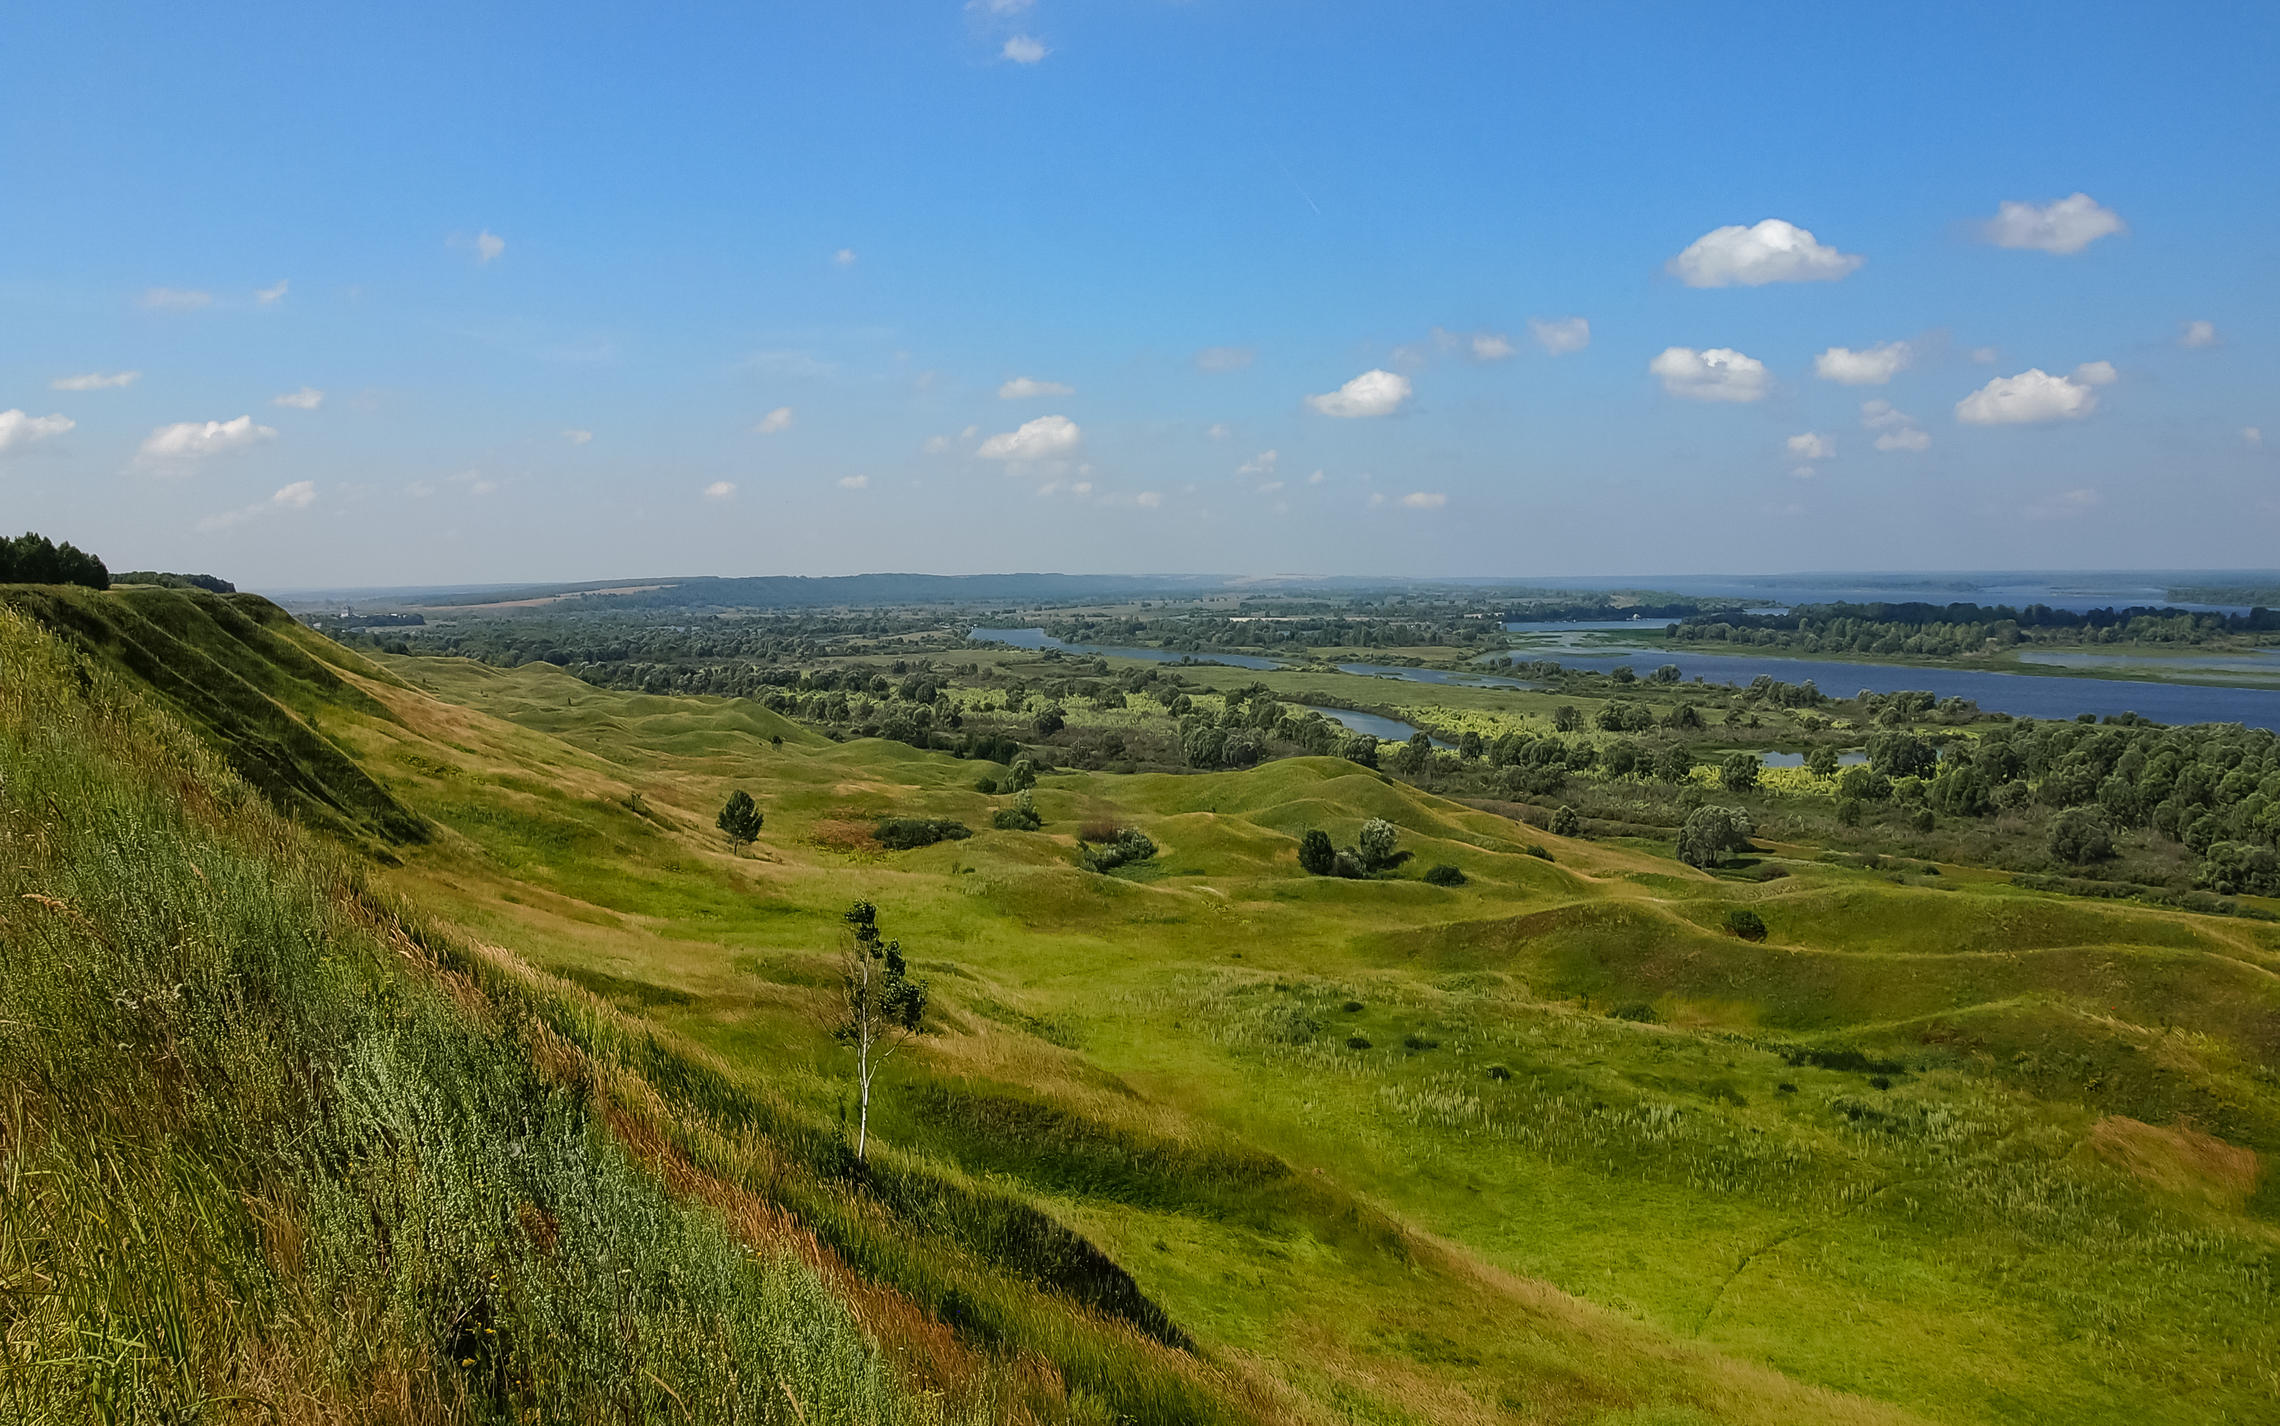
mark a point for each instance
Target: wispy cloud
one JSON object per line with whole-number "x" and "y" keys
{"x": 721, "y": 490}
{"x": 1895, "y": 430}
{"x": 19, "y": 429}
{"x": 1560, "y": 335}
{"x": 578, "y": 436}
{"x": 1023, "y": 49}
{"x": 854, "y": 482}
{"x": 777, "y": 420}
{"x": 300, "y": 495}
{"x": 271, "y": 296}
{"x": 1225, "y": 358}
{"x": 176, "y": 299}
{"x": 308, "y": 398}
{"x": 1023, "y": 388}
{"x": 95, "y": 381}
{"x": 2066, "y": 505}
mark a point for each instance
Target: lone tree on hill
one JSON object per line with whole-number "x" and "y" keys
{"x": 741, "y": 819}
{"x": 881, "y": 1005}
{"x": 1710, "y": 833}
{"x": 1316, "y": 857}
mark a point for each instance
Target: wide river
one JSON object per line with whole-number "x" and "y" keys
{"x": 2024, "y": 695}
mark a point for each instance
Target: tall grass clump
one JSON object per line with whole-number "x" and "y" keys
{"x": 259, "y": 1162}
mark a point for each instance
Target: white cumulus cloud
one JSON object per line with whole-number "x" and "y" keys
{"x": 488, "y": 245}
{"x": 1812, "y": 445}
{"x": 95, "y": 381}
{"x": 2032, "y": 397}
{"x": 1148, "y": 499}
{"x": 1490, "y": 346}
{"x": 1225, "y": 358}
{"x": 2196, "y": 334}
{"x": 845, "y": 257}
{"x": 185, "y": 442}
{"x": 1046, "y": 438}
{"x": 935, "y": 445}
{"x": 2097, "y": 373}
{"x": 854, "y": 482}
{"x": 1023, "y": 388}
{"x": 1870, "y": 366}
{"x": 1022, "y": 49}
{"x": 779, "y": 419}
{"x": 1373, "y": 393}
{"x": 720, "y": 490}
{"x": 308, "y": 398}
{"x": 1719, "y": 374}
{"x": 1560, "y": 335}
{"x": 1424, "y": 500}
{"x": 300, "y": 495}
{"x": 578, "y": 436}
{"x": 19, "y": 429}
{"x": 1263, "y": 463}
{"x": 2065, "y": 227}
{"x": 1219, "y": 430}
{"x": 1773, "y": 251}
{"x": 271, "y": 296}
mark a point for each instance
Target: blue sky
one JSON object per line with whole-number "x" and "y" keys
{"x": 534, "y": 278}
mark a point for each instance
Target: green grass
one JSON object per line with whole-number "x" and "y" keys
{"x": 1852, "y": 1252}
{"x": 1603, "y": 1161}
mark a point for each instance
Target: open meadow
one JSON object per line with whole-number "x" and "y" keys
{"x": 1564, "y": 1142}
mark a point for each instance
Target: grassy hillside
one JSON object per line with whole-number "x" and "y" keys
{"x": 1208, "y": 1137}
{"x": 247, "y": 675}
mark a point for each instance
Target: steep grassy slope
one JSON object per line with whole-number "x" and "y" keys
{"x": 273, "y": 1149}
{"x": 250, "y": 677}
{"x": 1379, "y": 1150}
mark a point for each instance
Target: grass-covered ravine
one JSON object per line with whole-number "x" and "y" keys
{"x": 515, "y": 1095}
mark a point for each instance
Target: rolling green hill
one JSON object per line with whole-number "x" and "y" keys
{"x": 1203, "y": 1139}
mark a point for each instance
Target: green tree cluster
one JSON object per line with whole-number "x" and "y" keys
{"x": 35, "y": 559}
